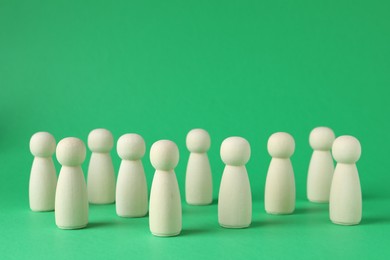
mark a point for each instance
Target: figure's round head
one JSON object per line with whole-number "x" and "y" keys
{"x": 42, "y": 144}
{"x": 131, "y": 147}
{"x": 71, "y": 151}
{"x": 346, "y": 149}
{"x": 321, "y": 138}
{"x": 235, "y": 151}
{"x": 198, "y": 141}
{"x": 100, "y": 141}
{"x": 164, "y": 155}
{"x": 281, "y": 145}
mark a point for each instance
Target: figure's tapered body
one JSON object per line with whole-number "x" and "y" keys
{"x": 165, "y": 213}
{"x": 320, "y": 176}
{"x": 199, "y": 183}
{"x": 101, "y": 179}
{"x": 71, "y": 199}
{"x": 235, "y": 198}
{"x": 131, "y": 190}
{"x": 346, "y": 206}
{"x": 280, "y": 187}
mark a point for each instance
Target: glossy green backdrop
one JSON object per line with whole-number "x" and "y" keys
{"x": 161, "y": 68}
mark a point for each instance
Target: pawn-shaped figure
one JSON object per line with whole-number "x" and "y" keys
{"x": 43, "y": 178}
{"x": 199, "y": 183}
{"x": 235, "y": 197}
{"x": 345, "y": 204}
{"x": 279, "y": 195}
{"x": 321, "y": 168}
{"x": 165, "y": 215}
{"x": 71, "y": 204}
{"x": 101, "y": 176}
{"x": 131, "y": 188}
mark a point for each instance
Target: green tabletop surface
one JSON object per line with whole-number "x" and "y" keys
{"x": 162, "y": 68}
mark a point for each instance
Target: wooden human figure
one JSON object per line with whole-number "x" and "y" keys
{"x": 279, "y": 195}
{"x": 321, "y": 168}
{"x": 165, "y": 215}
{"x": 131, "y": 189}
{"x": 199, "y": 182}
{"x": 71, "y": 202}
{"x": 101, "y": 175}
{"x": 235, "y": 197}
{"x": 345, "y": 204}
{"x": 43, "y": 178}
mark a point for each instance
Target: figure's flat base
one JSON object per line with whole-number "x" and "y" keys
{"x": 133, "y": 216}
{"x": 166, "y": 235}
{"x": 101, "y": 203}
{"x": 235, "y": 227}
{"x": 199, "y": 203}
{"x": 344, "y": 223}
{"x": 72, "y": 227}
{"x": 42, "y": 210}
{"x": 319, "y": 201}
{"x": 279, "y": 213}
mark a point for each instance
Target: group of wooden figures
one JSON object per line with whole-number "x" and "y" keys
{"x": 70, "y": 195}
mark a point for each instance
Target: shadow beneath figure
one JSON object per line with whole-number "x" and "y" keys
{"x": 193, "y": 231}
{"x": 256, "y": 224}
{"x": 380, "y": 220}
{"x": 106, "y": 205}
{"x": 100, "y": 224}
{"x": 312, "y": 209}
{"x": 375, "y": 195}
{"x": 213, "y": 202}
{"x": 133, "y": 217}
{"x": 270, "y": 222}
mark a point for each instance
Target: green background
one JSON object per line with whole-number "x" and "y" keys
{"x": 161, "y": 68}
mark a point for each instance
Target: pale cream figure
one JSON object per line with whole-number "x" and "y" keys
{"x": 279, "y": 195}
{"x": 321, "y": 167}
{"x": 71, "y": 202}
{"x": 165, "y": 213}
{"x": 198, "y": 183}
{"x": 101, "y": 175}
{"x": 131, "y": 189}
{"x": 43, "y": 178}
{"x": 345, "y": 204}
{"x": 235, "y": 197}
